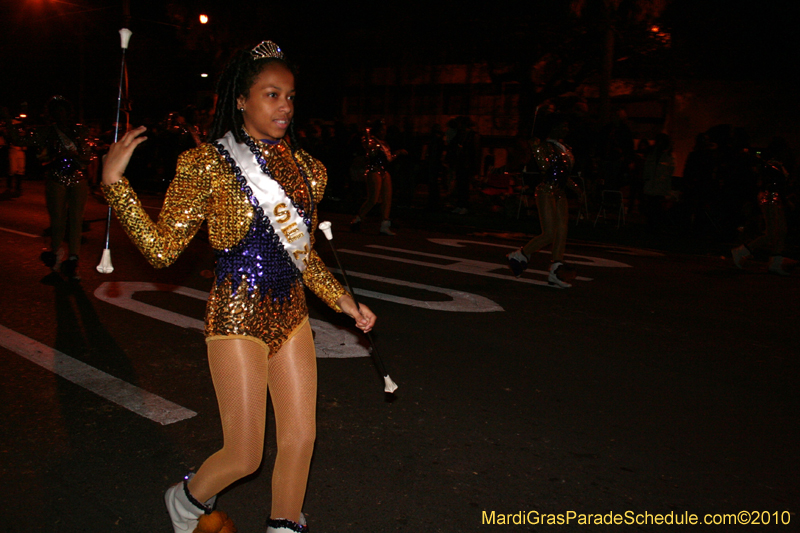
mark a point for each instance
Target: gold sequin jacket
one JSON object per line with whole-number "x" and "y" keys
{"x": 555, "y": 162}
{"x": 206, "y": 188}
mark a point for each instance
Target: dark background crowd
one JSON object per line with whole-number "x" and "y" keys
{"x": 431, "y": 75}
{"x": 713, "y": 199}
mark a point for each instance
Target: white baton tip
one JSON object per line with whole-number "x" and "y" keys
{"x": 325, "y": 226}
{"x": 125, "y": 37}
{"x": 391, "y": 386}
{"x": 105, "y": 266}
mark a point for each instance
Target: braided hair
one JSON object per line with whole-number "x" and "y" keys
{"x": 239, "y": 75}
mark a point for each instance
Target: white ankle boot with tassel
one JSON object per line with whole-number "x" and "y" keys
{"x": 183, "y": 509}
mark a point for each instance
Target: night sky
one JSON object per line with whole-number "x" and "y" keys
{"x": 72, "y": 47}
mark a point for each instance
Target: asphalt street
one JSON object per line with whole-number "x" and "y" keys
{"x": 662, "y": 383}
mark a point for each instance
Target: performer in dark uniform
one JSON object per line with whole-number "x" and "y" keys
{"x": 379, "y": 181}
{"x": 772, "y": 199}
{"x": 65, "y": 151}
{"x": 555, "y": 160}
{"x": 258, "y": 192}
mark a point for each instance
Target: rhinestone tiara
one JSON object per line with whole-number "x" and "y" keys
{"x": 267, "y": 49}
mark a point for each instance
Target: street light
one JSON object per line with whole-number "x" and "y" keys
{"x": 203, "y": 19}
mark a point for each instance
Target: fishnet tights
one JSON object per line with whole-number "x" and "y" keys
{"x": 241, "y": 373}
{"x": 379, "y": 189}
{"x": 553, "y": 217}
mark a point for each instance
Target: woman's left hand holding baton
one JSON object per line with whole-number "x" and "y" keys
{"x": 119, "y": 154}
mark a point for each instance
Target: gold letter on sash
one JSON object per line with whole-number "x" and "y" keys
{"x": 304, "y": 253}
{"x": 292, "y": 232}
{"x": 281, "y": 214}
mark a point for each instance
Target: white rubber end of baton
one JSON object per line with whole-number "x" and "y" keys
{"x": 325, "y": 226}
{"x": 391, "y": 386}
{"x": 125, "y": 37}
{"x": 105, "y": 266}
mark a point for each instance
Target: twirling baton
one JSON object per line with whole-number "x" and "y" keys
{"x": 391, "y": 386}
{"x": 535, "y": 114}
{"x": 105, "y": 266}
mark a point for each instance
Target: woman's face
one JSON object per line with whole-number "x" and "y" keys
{"x": 269, "y": 107}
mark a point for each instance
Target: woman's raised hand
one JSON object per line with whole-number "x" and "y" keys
{"x": 119, "y": 154}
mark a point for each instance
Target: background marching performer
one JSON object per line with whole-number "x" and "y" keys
{"x": 379, "y": 181}
{"x": 258, "y": 192}
{"x": 65, "y": 150}
{"x": 773, "y": 200}
{"x": 555, "y": 161}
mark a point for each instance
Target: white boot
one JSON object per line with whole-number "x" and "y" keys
{"x": 285, "y": 526}
{"x": 776, "y": 265}
{"x": 281, "y": 525}
{"x": 385, "y": 225}
{"x": 184, "y": 510}
{"x": 553, "y": 278}
{"x": 517, "y": 262}
{"x": 739, "y": 255}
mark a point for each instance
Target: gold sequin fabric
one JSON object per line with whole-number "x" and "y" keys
{"x": 555, "y": 162}
{"x": 205, "y": 188}
{"x": 767, "y": 197}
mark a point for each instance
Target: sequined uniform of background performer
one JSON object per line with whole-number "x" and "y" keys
{"x": 555, "y": 161}
{"x": 771, "y": 199}
{"x": 379, "y": 181}
{"x": 64, "y": 149}
{"x": 16, "y": 156}
{"x": 257, "y": 330}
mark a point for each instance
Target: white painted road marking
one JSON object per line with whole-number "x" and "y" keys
{"x": 467, "y": 266}
{"x": 120, "y": 293}
{"x": 462, "y": 302}
{"x": 113, "y": 389}
{"x": 20, "y": 232}
{"x": 577, "y": 259}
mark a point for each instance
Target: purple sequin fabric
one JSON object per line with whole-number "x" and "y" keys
{"x": 260, "y": 257}
{"x": 559, "y": 167}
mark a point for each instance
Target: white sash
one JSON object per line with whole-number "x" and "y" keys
{"x": 277, "y": 206}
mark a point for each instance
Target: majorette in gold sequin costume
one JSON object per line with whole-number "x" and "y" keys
{"x": 377, "y": 177}
{"x": 555, "y": 162}
{"x": 259, "y": 199}
{"x": 252, "y": 296}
